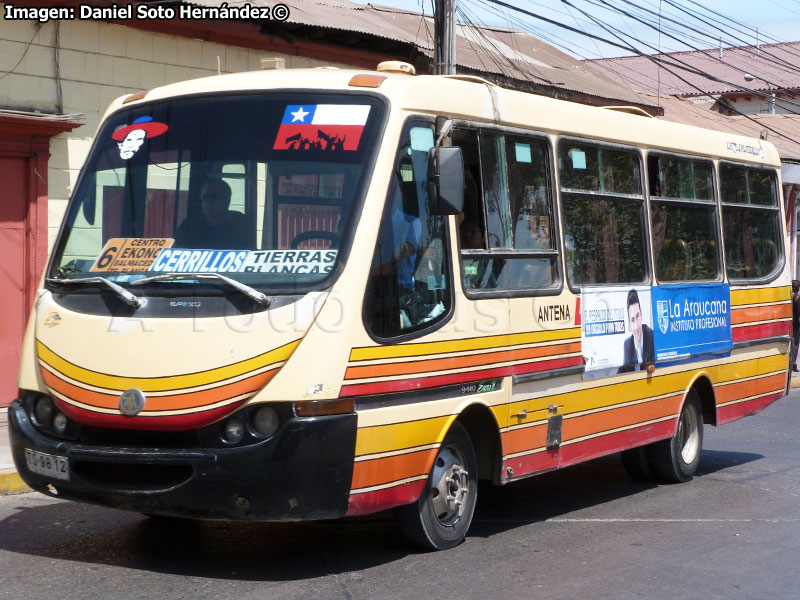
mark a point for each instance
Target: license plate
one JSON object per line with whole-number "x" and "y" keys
{"x": 47, "y": 464}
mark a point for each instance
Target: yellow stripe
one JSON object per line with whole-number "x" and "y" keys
{"x": 613, "y": 395}
{"x": 481, "y": 343}
{"x": 160, "y": 384}
{"x": 385, "y": 438}
{"x": 760, "y": 295}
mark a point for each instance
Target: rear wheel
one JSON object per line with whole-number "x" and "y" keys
{"x": 637, "y": 463}
{"x": 441, "y": 516}
{"x": 676, "y": 459}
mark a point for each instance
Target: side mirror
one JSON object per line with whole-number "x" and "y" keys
{"x": 446, "y": 180}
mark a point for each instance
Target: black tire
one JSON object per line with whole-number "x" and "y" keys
{"x": 675, "y": 460}
{"x": 441, "y": 516}
{"x": 638, "y": 464}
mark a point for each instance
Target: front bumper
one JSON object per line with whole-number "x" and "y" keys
{"x": 304, "y": 471}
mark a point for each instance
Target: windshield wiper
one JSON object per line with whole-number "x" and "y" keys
{"x": 120, "y": 291}
{"x": 245, "y": 289}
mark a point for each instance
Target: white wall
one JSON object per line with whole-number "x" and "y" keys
{"x": 759, "y": 104}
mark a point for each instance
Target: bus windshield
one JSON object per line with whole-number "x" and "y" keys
{"x": 263, "y": 188}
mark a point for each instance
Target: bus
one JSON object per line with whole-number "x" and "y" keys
{"x": 317, "y": 293}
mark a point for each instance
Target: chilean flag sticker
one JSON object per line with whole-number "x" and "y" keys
{"x": 322, "y": 127}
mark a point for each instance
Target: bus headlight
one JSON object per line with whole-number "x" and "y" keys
{"x": 266, "y": 421}
{"x": 42, "y": 411}
{"x": 60, "y": 423}
{"x": 233, "y": 432}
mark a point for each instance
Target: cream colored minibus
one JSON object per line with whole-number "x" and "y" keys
{"x": 305, "y": 294}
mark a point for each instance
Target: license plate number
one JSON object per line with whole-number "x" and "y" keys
{"x": 47, "y": 464}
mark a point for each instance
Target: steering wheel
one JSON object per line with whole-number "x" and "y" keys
{"x": 315, "y": 234}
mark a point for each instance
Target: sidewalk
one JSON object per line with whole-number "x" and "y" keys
{"x": 10, "y": 482}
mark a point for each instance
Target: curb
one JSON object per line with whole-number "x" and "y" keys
{"x": 11, "y": 483}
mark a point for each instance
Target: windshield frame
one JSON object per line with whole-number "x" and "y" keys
{"x": 199, "y": 288}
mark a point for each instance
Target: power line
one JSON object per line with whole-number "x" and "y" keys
{"x": 785, "y": 103}
{"x": 629, "y": 48}
{"x": 703, "y": 92}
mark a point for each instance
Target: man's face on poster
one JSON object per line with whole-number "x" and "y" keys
{"x": 635, "y": 319}
{"x": 131, "y": 143}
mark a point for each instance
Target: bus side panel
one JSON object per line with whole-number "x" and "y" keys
{"x": 393, "y": 461}
{"x": 599, "y": 417}
{"x": 753, "y": 379}
{"x": 761, "y": 313}
{"x": 760, "y": 375}
{"x": 396, "y": 445}
{"x": 620, "y": 412}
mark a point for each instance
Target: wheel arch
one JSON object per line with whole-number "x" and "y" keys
{"x": 708, "y": 402}
{"x": 482, "y": 427}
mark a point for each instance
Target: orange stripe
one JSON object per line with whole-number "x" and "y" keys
{"x": 175, "y": 402}
{"x": 392, "y": 468}
{"x": 530, "y": 438}
{"x": 743, "y": 389}
{"x": 760, "y": 313}
{"x": 620, "y": 417}
{"x": 459, "y": 362}
{"x": 520, "y": 440}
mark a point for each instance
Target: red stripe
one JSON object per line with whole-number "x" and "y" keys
{"x": 157, "y": 423}
{"x": 369, "y": 502}
{"x": 534, "y": 367}
{"x": 589, "y": 449}
{"x": 754, "y": 332}
{"x": 726, "y": 414}
{"x": 401, "y": 385}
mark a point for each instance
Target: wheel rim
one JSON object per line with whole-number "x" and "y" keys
{"x": 689, "y": 435}
{"x": 449, "y": 486}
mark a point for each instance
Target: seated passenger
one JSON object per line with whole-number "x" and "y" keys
{"x": 217, "y": 227}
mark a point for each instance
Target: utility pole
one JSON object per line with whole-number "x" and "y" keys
{"x": 444, "y": 27}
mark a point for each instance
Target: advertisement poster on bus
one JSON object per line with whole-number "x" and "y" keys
{"x": 692, "y": 320}
{"x": 617, "y": 330}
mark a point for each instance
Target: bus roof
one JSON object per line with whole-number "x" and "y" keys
{"x": 471, "y": 98}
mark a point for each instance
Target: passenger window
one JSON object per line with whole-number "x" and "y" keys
{"x": 601, "y": 195}
{"x": 752, "y": 230}
{"x": 594, "y": 168}
{"x": 683, "y": 218}
{"x": 506, "y": 232}
{"x": 409, "y": 285}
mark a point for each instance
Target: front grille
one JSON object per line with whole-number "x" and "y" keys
{"x": 136, "y": 438}
{"x": 123, "y": 477}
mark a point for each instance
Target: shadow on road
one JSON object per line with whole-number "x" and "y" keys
{"x": 716, "y": 460}
{"x": 293, "y": 551}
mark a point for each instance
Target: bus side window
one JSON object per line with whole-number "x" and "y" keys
{"x": 506, "y": 230}
{"x": 409, "y": 285}
{"x": 751, "y": 221}
{"x": 683, "y": 217}
{"x": 603, "y": 208}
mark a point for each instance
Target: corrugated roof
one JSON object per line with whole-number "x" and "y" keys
{"x": 773, "y": 65}
{"x": 786, "y": 141}
{"x": 509, "y": 53}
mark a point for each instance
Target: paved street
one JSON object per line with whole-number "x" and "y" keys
{"x": 585, "y": 532}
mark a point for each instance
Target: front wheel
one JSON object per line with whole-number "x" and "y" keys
{"x": 441, "y": 516}
{"x": 676, "y": 459}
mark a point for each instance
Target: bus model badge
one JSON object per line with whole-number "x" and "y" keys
{"x": 131, "y": 402}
